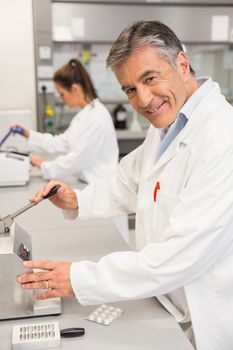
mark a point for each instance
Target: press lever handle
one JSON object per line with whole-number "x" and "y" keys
{"x": 28, "y": 206}
{"x": 6, "y": 222}
{"x": 52, "y": 191}
{"x": 72, "y": 332}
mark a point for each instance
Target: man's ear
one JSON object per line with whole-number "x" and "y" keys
{"x": 182, "y": 62}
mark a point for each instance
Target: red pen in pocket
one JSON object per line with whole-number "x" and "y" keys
{"x": 157, "y": 187}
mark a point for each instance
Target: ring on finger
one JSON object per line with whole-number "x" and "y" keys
{"x": 46, "y": 284}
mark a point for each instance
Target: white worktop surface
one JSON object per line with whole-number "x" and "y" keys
{"x": 145, "y": 325}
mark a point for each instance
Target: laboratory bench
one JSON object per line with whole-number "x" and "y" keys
{"x": 131, "y": 135}
{"x": 145, "y": 324}
{"x": 129, "y": 140}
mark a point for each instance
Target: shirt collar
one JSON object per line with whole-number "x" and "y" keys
{"x": 206, "y": 86}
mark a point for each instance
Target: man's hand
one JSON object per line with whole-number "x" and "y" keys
{"x": 36, "y": 161}
{"x": 55, "y": 278}
{"x": 65, "y": 198}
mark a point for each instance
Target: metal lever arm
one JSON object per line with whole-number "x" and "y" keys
{"x": 20, "y": 211}
{"x": 6, "y": 222}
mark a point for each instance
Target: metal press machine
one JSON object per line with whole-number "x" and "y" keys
{"x": 15, "y": 247}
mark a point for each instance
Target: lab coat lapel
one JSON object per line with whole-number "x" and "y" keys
{"x": 152, "y": 144}
{"x": 171, "y": 151}
{"x": 150, "y": 166}
{"x": 191, "y": 129}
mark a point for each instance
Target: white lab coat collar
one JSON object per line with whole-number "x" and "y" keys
{"x": 206, "y": 85}
{"x": 186, "y": 135}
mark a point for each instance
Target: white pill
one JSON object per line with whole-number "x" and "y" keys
{"x": 118, "y": 310}
{"x": 110, "y": 319}
{"x": 106, "y": 322}
{"x": 91, "y": 317}
{"x": 99, "y": 319}
{"x": 114, "y": 314}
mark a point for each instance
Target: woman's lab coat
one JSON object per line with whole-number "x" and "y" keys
{"x": 89, "y": 146}
{"x": 184, "y": 226}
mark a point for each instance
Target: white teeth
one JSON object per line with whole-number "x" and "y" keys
{"x": 154, "y": 109}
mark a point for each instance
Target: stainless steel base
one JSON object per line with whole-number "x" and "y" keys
{"x": 15, "y": 302}
{"x": 47, "y": 307}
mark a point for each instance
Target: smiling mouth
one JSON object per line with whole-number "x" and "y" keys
{"x": 154, "y": 109}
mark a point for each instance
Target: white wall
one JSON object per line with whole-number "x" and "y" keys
{"x": 17, "y": 57}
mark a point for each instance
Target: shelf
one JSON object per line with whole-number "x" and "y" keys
{"x": 131, "y": 135}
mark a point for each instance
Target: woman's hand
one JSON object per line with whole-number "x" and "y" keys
{"x": 36, "y": 161}
{"x": 65, "y": 197}
{"x": 55, "y": 278}
{"x": 19, "y": 129}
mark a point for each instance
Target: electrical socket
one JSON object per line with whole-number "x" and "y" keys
{"x": 48, "y": 84}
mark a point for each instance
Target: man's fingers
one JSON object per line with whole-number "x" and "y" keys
{"x": 47, "y": 188}
{"x": 44, "y": 265}
{"x": 65, "y": 197}
{"x": 45, "y": 284}
{"x": 33, "y": 277}
{"x": 52, "y": 276}
{"x": 54, "y": 293}
{"x": 43, "y": 191}
{"x": 47, "y": 295}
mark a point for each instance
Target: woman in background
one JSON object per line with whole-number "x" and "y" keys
{"x": 89, "y": 146}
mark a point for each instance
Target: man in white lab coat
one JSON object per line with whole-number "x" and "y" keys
{"x": 181, "y": 187}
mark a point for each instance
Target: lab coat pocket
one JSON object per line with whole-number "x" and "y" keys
{"x": 154, "y": 210}
{"x": 165, "y": 204}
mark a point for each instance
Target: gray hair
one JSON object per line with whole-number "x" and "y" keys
{"x": 145, "y": 33}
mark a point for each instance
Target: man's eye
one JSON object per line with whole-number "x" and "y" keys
{"x": 130, "y": 92}
{"x": 150, "y": 80}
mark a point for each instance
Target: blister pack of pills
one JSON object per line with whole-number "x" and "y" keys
{"x": 105, "y": 314}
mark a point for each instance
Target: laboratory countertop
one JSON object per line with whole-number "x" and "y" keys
{"x": 128, "y": 134}
{"x": 145, "y": 324}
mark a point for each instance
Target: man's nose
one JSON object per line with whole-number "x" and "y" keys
{"x": 144, "y": 97}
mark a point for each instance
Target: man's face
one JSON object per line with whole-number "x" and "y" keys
{"x": 154, "y": 88}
